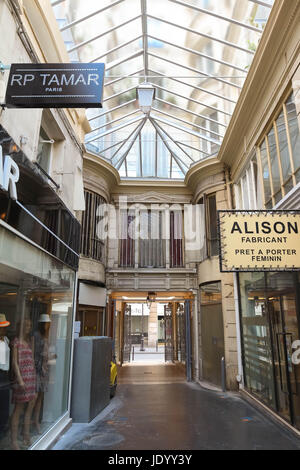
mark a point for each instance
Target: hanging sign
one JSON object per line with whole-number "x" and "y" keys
{"x": 55, "y": 86}
{"x": 259, "y": 241}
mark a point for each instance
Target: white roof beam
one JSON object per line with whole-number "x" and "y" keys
{"x": 116, "y": 120}
{"x": 208, "y": 36}
{"x": 186, "y": 122}
{"x": 122, "y": 78}
{"x": 192, "y": 51}
{"x": 188, "y": 131}
{"x": 191, "y": 69}
{"x": 119, "y": 164}
{"x": 194, "y": 87}
{"x": 114, "y": 129}
{"x": 174, "y": 142}
{"x": 113, "y": 109}
{"x": 108, "y": 31}
{"x": 74, "y": 23}
{"x": 114, "y": 49}
{"x": 220, "y": 17}
{"x": 119, "y": 94}
{"x": 205, "y": 105}
{"x": 207, "y": 118}
{"x": 125, "y": 141}
{"x": 145, "y": 36}
{"x": 263, "y": 4}
{"x": 111, "y": 65}
{"x": 176, "y": 158}
{"x": 191, "y": 147}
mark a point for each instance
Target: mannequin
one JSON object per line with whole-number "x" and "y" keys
{"x": 24, "y": 392}
{"x": 4, "y": 379}
{"x": 41, "y": 359}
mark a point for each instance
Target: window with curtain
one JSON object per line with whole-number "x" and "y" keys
{"x": 127, "y": 243}
{"x": 93, "y": 240}
{"x": 152, "y": 244}
{"x": 176, "y": 239}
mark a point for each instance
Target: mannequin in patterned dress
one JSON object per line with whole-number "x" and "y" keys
{"x": 24, "y": 391}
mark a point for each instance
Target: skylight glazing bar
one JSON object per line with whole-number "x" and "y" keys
{"x": 108, "y": 31}
{"x": 205, "y": 105}
{"x": 114, "y": 49}
{"x": 263, "y": 4}
{"x": 122, "y": 78}
{"x": 206, "y": 75}
{"x": 125, "y": 141}
{"x": 174, "y": 142}
{"x": 70, "y": 25}
{"x": 119, "y": 94}
{"x": 186, "y": 122}
{"x": 191, "y": 147}
{"x": 112, "y": 146}
{"x": 114, "y": 129}
{"x": 125, "y": 59}
{"x": 200, "y": 54}
{"x": 118, "y": 166}
{"x": 190, "y": 112}
{"x": 145, "y": 36}
{"x": 220, "y": 17}
{"x": 113, "y": 109}
{"x": 195, "y": 87}
{"x": 57, "y": 2}
{"x": 207, "y": 36}
{"x": 115, "y": 120}
{"x": 176, "y": 158}
{"x": 195, "y": 134}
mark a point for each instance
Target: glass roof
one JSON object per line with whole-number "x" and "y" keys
{"x": 196, "y": 53}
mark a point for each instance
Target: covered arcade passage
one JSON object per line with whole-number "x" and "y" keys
{"x": 153, "y": 328}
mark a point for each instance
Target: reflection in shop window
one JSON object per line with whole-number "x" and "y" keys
{"x": 36, "y": 298}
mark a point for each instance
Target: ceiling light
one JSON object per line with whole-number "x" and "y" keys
{"x": 145, "y": 95}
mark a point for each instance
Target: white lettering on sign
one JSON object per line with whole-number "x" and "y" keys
{"x": 54, "y": 79}
{"x": 9, "y": 174}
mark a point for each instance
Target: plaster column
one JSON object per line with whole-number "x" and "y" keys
{"x": 152, "y": 326}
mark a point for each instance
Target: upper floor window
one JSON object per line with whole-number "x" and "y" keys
{"x": 92, "y": 238}
{"x": 210, "y": 246}
{"x": 248, "y": 193}
{"x": 44, "y": 151}
{"x": 279, "y": 155}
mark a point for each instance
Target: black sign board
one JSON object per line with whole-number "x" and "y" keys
{"x": 55, "y": 86}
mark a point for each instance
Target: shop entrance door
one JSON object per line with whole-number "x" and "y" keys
{"x": 127, "y": 334}
{"x": 284, "y": 327}
{"x": 169, "y": 347}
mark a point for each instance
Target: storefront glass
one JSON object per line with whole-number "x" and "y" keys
{"x": 36, "y": 298}
{"x": 270, "y": 309}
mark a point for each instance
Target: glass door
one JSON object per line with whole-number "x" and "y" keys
{"x": 284, "y": 327}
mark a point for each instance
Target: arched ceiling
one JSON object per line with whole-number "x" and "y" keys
{"x": 195, "y": 53}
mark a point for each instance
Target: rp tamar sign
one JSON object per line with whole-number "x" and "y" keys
{"x": 55, "y": 86}
{"x": 259, "y": 241}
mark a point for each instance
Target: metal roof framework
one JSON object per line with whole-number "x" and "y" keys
{"x": 182, "y": 128}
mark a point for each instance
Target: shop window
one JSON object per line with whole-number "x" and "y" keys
{"x": 92, "y": 237}
{"x": 36, "y": 304}
{"x": 279, "y": 154}
{"x": 176, "y": 239}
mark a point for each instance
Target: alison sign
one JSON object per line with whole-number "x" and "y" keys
{"x": 55, "y": 86}
{"x": 259, "y": 241}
